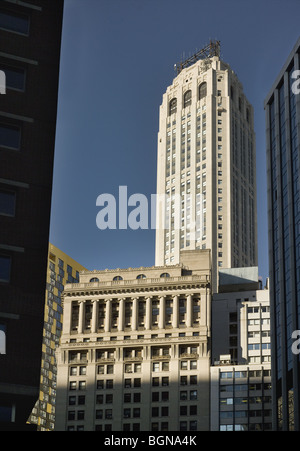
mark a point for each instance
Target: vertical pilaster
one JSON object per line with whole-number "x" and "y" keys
{"x": 189, "y": 310}
{"x": 175, "y": 311}
{"x": 94, "y": 315}
{"x": 121, "y": 315}
{"x": 148, "y": 314}
{"x": 162, "y": 311}
{"x": 134, "y": 313}
{"x": 81, "y": 317}
{"x": 107, "y": 315}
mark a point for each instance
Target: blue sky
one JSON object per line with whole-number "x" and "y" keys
{"x": 117, "y": 60}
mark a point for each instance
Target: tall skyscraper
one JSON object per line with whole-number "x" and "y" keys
{"x": 206, "y": 166}
{"x": 30, "y": 40}
{"x": 61, "y": 270}
{"x": 282, "y": 107}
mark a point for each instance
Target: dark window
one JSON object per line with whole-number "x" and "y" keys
{"x": 165, "y": 274}
{"x": 127, "y": 413}
{"x": 127, "y": 397}
{"x": 137, "y": 383}
{"x": 10, "y": 136}
{"x": 99, "y": 414}
{"x": 71, "y": 415}
{"x": 118, "y": 278}
{"x": 173, "y": 106}
{"x": 5, "y": 414}
{"x": 18, "y": 23}
{"x": 15, "y": 77}
{"x": 109, "y": 384}
{"x": 164, "y": 411}
{"x": 94, "y": 279}
{"x": 187, "y": 98}
{"x": 136, "y": 397}
{"x": 202, "y": 90}
{"x": 155, "y": 397}
{"x": 5, "y": 265}
{"x": 7, "y": 203}
{"x": 72, "y": 400}
{"x": 155, "y": 381}
{"x": 80, "y": 415}
{"x": 81, "y": 400}
{"x": 155, "y": 412}
{"x": 141, "y": 276}
{"x": 136, "y": 413}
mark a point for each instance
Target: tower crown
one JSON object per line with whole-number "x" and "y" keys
{"x": 209, "y": 51}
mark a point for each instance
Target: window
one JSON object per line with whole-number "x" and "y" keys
{"x": 165, "y": 274}
{"x": 127, "y": 413}
{"x": 5, "y": 268}
{"x": 141, "y": 276}
{"x": 187, "y": 100}
{"x": 15, "y": 77}
{"x": 155, "y": 396}
{"x": 72, "y": 400}
{"x": 7, "y": 203}
{"x": 18, "y": 23}
{"x": 108, "y": 414}
{"x": 117, "y": 278}
{"x": 2, "y": 338}
{"x": 202, "y": 90}
{"x": 155, "y": 411}
{"x": 173, "y": 106}
{"x": 82, "y": 385}
{"x": 94, "y": 279}
{"x": 155, "y": 367}
{"x": 10, "y": 136}
{"x": 165, "y": 411}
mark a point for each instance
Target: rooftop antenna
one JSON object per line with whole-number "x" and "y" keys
{"x": 209, "y": 51}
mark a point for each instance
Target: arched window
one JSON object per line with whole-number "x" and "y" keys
{"x": 202, "y": 90}
{"x": 141, "y": 276}
{"x": 118, "y": 278}
{"x": 94, "y": 279}
{"x": 173, "y": 106}
{"x": 165, "y": 274}
{"x": 187, "y": 99}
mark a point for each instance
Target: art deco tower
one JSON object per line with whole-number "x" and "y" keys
{"x": 206, "y": 166}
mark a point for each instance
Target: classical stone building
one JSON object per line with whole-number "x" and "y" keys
{"x": 135, "y": 349}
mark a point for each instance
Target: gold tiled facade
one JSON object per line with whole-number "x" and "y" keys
{"x": 61, "y": 269}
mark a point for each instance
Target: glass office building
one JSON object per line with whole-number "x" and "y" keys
{"x": 282, "y": 107}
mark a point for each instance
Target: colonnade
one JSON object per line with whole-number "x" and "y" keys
{"x": 134, "y": 323}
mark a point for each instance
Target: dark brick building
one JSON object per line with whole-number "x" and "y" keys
{"x": 30, "y": 42}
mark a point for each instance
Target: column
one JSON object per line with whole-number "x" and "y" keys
{"x": 107, "y": 315}
{"x": 189, "y": 310}
{"x": 175, "y": 311}
{"x": 81, "y": 317}
{"x": 148, "y": 321}
{"x": 162, "y": 310}
{"x": 67, "y": 317}
{"x": 94, "y": 316}
{"x": 121, "y": 314}
{"x": 134, "y": 313}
